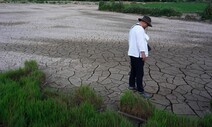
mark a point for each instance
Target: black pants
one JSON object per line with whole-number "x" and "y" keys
{"x": 137, "y": 73}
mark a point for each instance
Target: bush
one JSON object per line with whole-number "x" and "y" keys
{"x": 207, "y": 14}
{"x": 111, "y": 6}
{"x": 169, "y": 12}
{"x": 137, "y": 9}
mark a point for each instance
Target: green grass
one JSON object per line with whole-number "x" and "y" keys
{"x": 86, "y": 94}
{"x": 183, "y": 7}
{"x": 24, "y": 104}
{"x": 167, "y": 119}
{"x": 88, "y": 117}
{"x": 134, "y": 104}
{"x": 22, "y": 101}
{"x": 206, "y": 120}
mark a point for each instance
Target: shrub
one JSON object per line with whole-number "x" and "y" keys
{"x": 207, "y": 14}
{"x": 137, "y": 9}
{"x": 103, "y": 5}
{"x": 111, "y": 6}
{"x": 134, "y": 104}
{"x": 117, "y": 6}
{"x": 169, "y": 12}
{"x": 151, "y": 11}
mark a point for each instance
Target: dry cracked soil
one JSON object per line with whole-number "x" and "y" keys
{"x": 77, "y": 44}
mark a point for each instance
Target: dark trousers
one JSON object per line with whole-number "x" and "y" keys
{"x": 137, "y": 73}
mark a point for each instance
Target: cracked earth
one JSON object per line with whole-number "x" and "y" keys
{"x": 77, "y": 44}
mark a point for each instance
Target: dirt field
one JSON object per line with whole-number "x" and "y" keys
{"x": 77, "y": 44}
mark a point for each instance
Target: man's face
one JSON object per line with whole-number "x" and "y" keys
{"x": 144, "y": 25}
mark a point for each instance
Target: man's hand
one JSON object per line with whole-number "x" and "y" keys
{"x": 143, "y": 56}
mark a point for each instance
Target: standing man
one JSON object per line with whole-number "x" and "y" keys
{"x": 138, "y": 53}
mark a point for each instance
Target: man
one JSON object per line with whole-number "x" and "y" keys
{"x": 138, "y": 53}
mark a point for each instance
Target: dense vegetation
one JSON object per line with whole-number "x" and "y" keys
{"x": 207, "y": 14}
{"x": 159, "y": 9}
{"x": 24, "y": 104}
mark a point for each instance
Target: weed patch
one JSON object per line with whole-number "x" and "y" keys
{"x": 86, "y": 94}
{"x": 167, "y": 119}
{"x": 134, "y": 104}
{"x": 23, "y": 104}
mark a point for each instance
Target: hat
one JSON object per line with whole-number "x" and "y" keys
{"x": 146, "y": 19}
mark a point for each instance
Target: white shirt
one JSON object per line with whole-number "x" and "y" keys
{"x": 137, "y": 41}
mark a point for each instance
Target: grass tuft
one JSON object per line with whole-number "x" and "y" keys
{"x": 167, "y": 119}
{"x": 86, "y": 94}
{"x": 136, "y": 105}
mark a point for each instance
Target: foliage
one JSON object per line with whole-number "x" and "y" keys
{"x": 23, "y": 104}
{"x": 182, "y": 7}
{"x": 134, "y": 104}
{"x": 151, "y": 11}
{"x": 137, "y": 8}
{"x": 111, "y": 6}
{"x": 154, "y": 8}
{"x": 207, "y": 14}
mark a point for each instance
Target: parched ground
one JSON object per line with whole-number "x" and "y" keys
{"x": 77, "y": 44}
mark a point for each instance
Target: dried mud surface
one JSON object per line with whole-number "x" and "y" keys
{"x": 77, "y": 44}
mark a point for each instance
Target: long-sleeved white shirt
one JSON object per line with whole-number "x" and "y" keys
{"x": 137, "y": 41}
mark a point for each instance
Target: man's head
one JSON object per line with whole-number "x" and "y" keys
{"x": 145, "y": 21}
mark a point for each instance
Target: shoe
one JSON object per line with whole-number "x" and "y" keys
{"x": 145, "y": 95}
{"x": 131, "y": 88}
